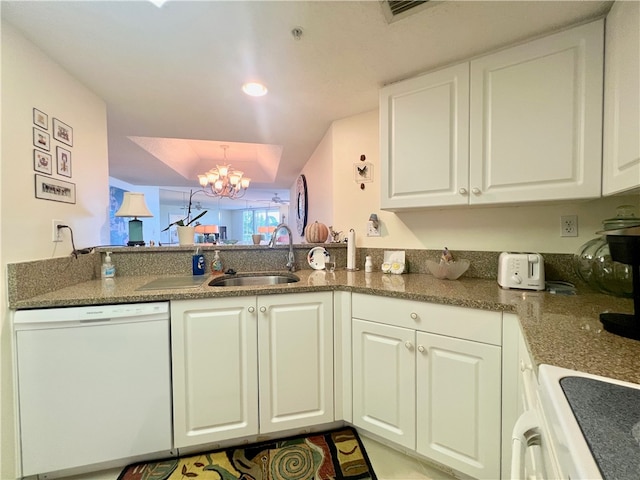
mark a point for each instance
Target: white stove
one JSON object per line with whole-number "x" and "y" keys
{"x": 592, "y": 424}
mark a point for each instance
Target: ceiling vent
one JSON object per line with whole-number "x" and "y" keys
{"x": 397, "y": 9}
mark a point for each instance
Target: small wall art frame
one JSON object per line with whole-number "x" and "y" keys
{"x": 62, "y": 132}
{"x": 42, "y": 162}
{"x": 41, "y": 139}
{"x": 63, "y": 157}
{"x": 363, "y": 172}
{"x": 40, "y": 119}
{"x": 48, "y": 188}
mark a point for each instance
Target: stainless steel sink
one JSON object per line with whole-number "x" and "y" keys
{"x": 253, "y": 279}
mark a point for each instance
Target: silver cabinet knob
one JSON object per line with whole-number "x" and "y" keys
{"x": 414, "y": 315}
{"x": 476, "y": 191}
{"x": 408, "y": 344}
{"x": 263, "y": 309}
{"x": 251, "y": 309}
{"x": 462, "y": 191}
{"x": 421, "y": 349}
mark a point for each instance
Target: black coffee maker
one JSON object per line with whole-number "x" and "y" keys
{"x": 624, "y": 247}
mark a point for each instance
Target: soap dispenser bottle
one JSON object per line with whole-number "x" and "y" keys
{"x": 197, "y": 262}
{"x": 216, "y": 264}
{"x": 108, "y": 269}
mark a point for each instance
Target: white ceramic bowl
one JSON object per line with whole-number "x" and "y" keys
{"x": 450, "y": 271}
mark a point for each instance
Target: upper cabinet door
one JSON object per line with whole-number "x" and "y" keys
{"x": 536, "y": 119}
{"x": 424, "y": 128}
{"x": 621, "y": 163}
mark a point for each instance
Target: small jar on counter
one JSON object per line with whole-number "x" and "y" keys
{"x": 368, "y": 265}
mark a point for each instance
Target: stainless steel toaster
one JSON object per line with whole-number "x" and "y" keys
{"x": 521, "y": 271}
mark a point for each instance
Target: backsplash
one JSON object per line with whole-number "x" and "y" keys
{"x": 29, "y": 279}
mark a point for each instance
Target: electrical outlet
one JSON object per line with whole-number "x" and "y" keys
{"x": 372, "y": 231}
{"x": 569, "y": 226}
{"x": 57, "y": 233}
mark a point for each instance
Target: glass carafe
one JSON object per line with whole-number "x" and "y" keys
{"x": 593, "y": 262}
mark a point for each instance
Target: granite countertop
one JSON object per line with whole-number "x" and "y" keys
{"x": 560, "y": 330}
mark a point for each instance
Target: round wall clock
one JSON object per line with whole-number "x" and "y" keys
{"x": 301, "y": 202}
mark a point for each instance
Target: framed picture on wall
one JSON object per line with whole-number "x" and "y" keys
{"x": 363, "y": 172}
{"x": 42, "y": 162}
{"x": 41, "y": 139}
{"x": 48, "y": 188}
{"x": 63, "y": 157}
{"x": 62, "y": 132}
{"x": 40, "y": 119}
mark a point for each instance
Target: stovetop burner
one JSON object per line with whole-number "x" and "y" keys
{"x": 609, "y": 417}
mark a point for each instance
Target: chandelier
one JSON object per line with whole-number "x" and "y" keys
{"x": 223, "y": 181}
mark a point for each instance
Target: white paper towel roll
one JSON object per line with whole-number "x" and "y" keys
{"x": 351, "y": 250}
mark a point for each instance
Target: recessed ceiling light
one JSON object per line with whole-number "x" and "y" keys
{"x": 254, "y": 89}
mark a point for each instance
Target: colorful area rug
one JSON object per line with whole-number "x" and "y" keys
{"x": 335, "y": 455}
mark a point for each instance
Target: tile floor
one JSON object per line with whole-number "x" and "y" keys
{"x": 388, "y": 464}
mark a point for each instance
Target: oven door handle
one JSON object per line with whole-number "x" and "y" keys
{"x": 526, "y": 434}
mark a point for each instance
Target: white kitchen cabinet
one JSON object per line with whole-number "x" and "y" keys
{"x": 215, "y": 369}
{"x": 519, "y": 384}
{"x": 384, "y": 386}
{"x": 428, "y": 377}
{"x": 458, "y": 404}
{"x": 621, "y": 152}
{"x": 424, "y": 140}
{"x": 527, "y": 379}
{"x": 526, "y": 127}
{"x": 249, "y": 365}
{"x": 536, "y": 119}
{"x": 295, "y": 345}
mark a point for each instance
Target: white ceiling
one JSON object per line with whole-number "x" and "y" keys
{"x": 171, "y": 76}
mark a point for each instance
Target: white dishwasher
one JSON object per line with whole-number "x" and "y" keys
{"x": 94, "y": 386}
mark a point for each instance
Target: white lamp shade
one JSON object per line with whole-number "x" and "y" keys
{"x": 133, "y": 205}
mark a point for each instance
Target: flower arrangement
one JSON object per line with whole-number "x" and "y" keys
{"x": 186, "y": 221}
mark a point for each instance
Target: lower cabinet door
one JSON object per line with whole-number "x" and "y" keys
{"x": 458, "y": 403}
{"x": 215, "y": 365}
{"x": 384, "y": 387}
{"x": 296, "y": 360}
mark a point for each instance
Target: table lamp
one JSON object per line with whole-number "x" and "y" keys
{"x": 133, "y": 205}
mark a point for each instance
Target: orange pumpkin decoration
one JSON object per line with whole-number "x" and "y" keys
{"x": 316, "y": 233}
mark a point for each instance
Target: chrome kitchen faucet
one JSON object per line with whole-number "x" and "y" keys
{"x": 291, "y": 263}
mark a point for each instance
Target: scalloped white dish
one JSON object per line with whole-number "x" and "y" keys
{"x": 450, "y": 271}
{"x": 317, "y": 256}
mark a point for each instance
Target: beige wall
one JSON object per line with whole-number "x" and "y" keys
{"x": 30, "y": 79}
{"x": 320, "y": 187}
{"x": 517, "y": 228}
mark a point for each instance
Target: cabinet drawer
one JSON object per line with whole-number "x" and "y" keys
{"x": 459, "y": 322}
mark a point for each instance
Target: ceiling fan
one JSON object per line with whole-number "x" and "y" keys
{"x": 194, "y": 206}
{"x": 276, "y": 199}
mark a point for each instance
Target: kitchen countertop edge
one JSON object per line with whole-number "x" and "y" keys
{"x": 560, "y": 330}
